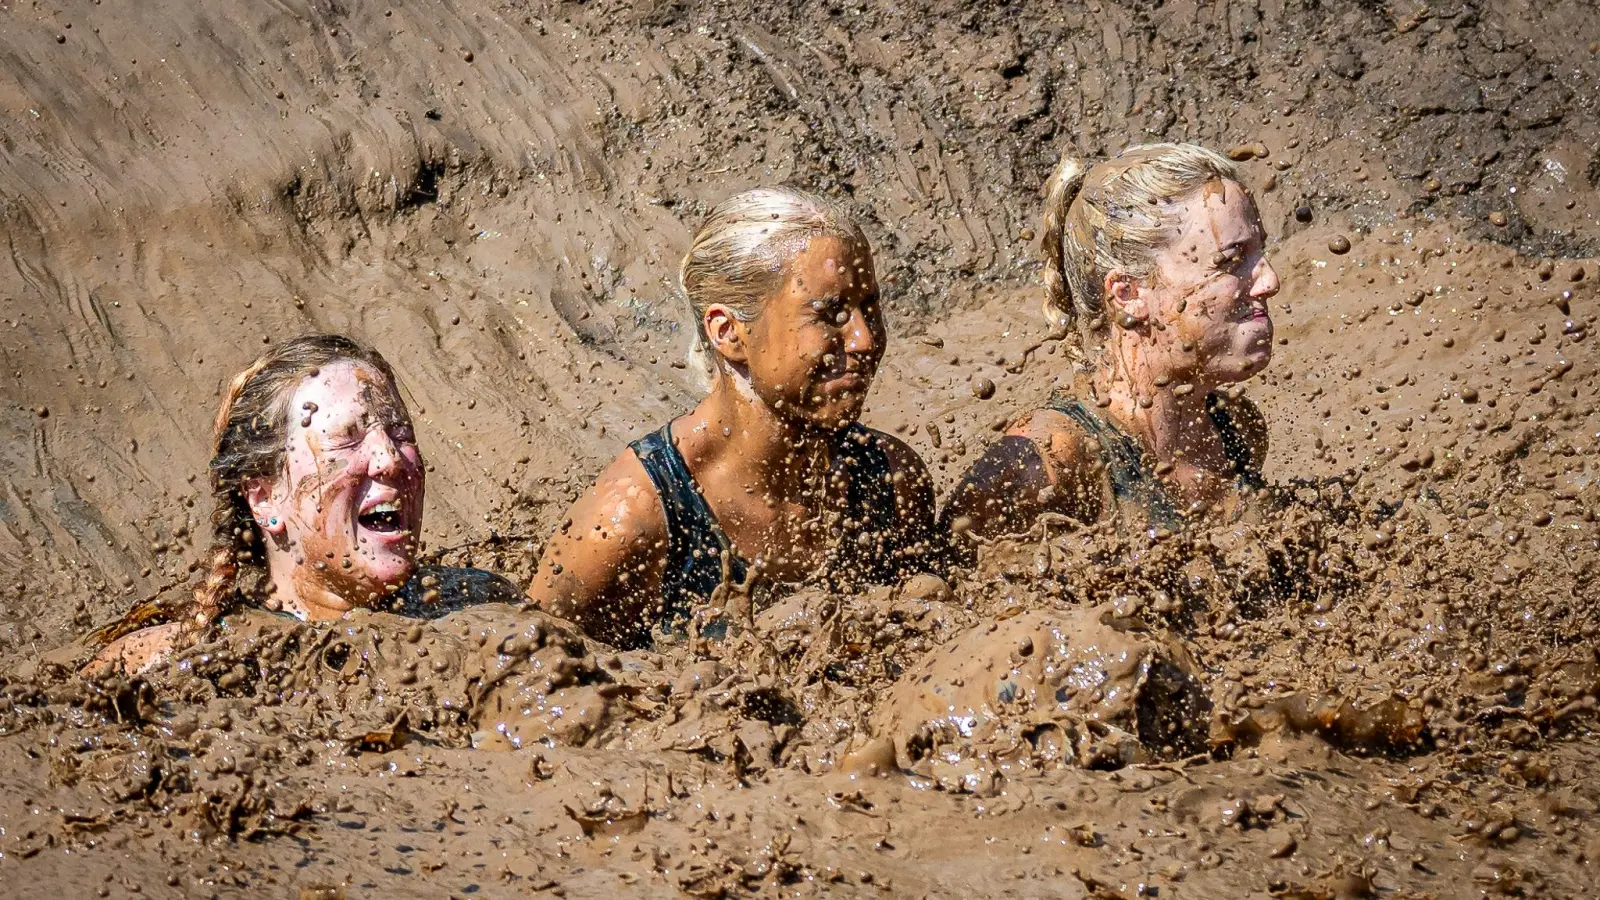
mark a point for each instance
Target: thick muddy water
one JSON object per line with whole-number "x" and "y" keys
{"x": 1380, "y": 682}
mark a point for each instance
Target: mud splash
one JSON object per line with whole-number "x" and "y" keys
{"x": 1238, "y": 700}
{"x": 1381, "y": 683}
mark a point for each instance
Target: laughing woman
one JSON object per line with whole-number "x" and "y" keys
{"x": 1156, "y": 270}
{"x": 318, "y": 485}
{"x": 771, "y": 471}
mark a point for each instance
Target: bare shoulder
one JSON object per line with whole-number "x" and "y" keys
{"x": 1062, "y": 443}
{"x": 623, "y": 502}
{"x": 617, "y": 524}
{"x": 137, "y": 652}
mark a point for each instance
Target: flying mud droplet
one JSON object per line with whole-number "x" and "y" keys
{"x": 1247, "y": 152}
{"x": 1339, "y": 244}
{"x": 983, "y": 388}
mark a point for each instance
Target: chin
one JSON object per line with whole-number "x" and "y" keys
{"x": 830, "y": 416}
{"x": 388, "y": 574}
{"x": 837, "y": 419}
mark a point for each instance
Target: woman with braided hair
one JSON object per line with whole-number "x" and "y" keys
{"x": 318, "y": 484}
{"x": 1157, "y": 277}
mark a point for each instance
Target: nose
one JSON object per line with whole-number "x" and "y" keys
{"x": 862, "y": 334}
{"x": 383, "y": 457}
{"x": 1266, "y": 280}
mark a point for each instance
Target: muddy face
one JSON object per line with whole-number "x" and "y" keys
{"x": 1211, "y": 288}
{"x": 816, "y": 346}
{"x": 350, "y": 496}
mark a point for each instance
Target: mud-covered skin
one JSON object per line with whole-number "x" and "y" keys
{"x": 1289, "y": 702}
{"x": 568, "y": 160}
{"x": 351, "y": 453}
{"x": 1197, "y": 324}
{"x": 761, "y": 449}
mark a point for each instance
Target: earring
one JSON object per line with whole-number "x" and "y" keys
{"x": 273, "y": 521}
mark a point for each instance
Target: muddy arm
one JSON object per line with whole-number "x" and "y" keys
{"x": 1040, "y": 466}
{"x": 134, "y": 653}
{"x": 602, "y": 568}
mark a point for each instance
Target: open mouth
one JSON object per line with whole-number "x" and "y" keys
{"x": 386, "y": 517}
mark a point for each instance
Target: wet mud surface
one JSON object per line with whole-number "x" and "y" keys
{"x": 1380, "y": 682}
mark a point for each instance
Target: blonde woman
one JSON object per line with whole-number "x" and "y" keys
{"x": 1156, "y": 271}
{"x": 318, "y": 486}
{"x": 771, "y": 471}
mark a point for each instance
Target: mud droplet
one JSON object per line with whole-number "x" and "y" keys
{"x": 1302, "y": 213}
{"x": 1339, "y": 244}
{"x": 983, "y": 388}
{"x": 1498, "y": 219}
{"x": 1247, "y": 152}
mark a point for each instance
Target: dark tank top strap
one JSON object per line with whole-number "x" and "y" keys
{"x": 871, "y": 492}
{"x": 1124, "y": 461}
{"x": 873, "y": 553}
{"x": 1245, "y": 467}
{"x": 694, "y": 540}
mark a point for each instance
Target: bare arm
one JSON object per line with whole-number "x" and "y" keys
{"x": 1043, "y": 463}
{"x": 134, "y": 653}
{"x": 602, "y": 568}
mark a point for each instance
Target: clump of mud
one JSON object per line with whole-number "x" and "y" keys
{"x": 1241, "y": 690}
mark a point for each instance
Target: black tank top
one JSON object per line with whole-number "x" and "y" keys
{"x": 1132, "y": 482}
{"x": 869, "y": 550}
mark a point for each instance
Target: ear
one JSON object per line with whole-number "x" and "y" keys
{"x": 726, "y": 333}
{"x": 1125, "y": 295}
{"x": 267, "y": 505}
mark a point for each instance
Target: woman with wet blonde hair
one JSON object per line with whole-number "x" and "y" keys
{"x": 771, "y": 475}
{"x": 318, "y": 486}
{"x": 1157, "y": 280}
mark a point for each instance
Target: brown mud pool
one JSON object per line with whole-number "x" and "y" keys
{"x": 1380, "y": 681}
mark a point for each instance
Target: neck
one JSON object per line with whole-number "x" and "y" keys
{"x": 296, "y": 590}
{"x": 1165, "y": 410}
{"x": 762, "y": 449}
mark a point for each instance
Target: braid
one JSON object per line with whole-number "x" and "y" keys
{"x": 1062, "y": 188}
{"x": 217, "y": 594}
{"x": 231, "y": 524}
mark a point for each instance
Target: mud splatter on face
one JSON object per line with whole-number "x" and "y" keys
{"x": 355, "y": 501}
{"x": 817, "y": 345}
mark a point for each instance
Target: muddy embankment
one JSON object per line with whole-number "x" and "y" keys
{"x": 1380, "y": 683}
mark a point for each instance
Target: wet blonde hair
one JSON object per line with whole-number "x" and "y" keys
{"x": 1112, "y": 216}
{"x": 741, "y": 254}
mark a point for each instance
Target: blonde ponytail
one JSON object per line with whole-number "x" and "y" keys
{"x": 1059, "y": 192}
{"x": 1113, "y": 216}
